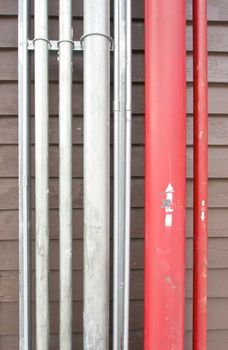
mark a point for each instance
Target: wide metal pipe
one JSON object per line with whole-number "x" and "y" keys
{"x": 165, "y": 120}
{"x": 24, "y": 177}
{"x": 122, "y": 171}
{"x": 200, "y": 174}
{"x": 96, "y": 173}
{"x": 65, "y": 172}
{"x": 41, "y": 172}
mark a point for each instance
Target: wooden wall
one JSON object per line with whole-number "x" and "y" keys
{"x": 218, "y": 182}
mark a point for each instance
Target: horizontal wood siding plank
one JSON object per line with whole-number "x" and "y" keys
{"x": 217, "y": 9}
{"x": 218, "y": 165}
{"x": 218, "y": 254}
{"x": 217, "y": 37}
{"x": 218, "y": 130}
{"x": 216, "y": 340}
{"x": 217, "y": 34}
{"x": 217, "y": 288}
{"x": 218, "y": 102}
{"x": 217, "y": 316}
{"x": 218, "y": 223}
{"x": 217, "y": 67}
{"x": 218, "y": 193}
{"x": 11, "y": 342}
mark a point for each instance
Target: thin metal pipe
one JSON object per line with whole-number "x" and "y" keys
{"x": 122, "y": 171}
{"x": 128, "y": 176}
{"x": 165, "y": 173}
{"x": 119, "y": 187}
{"x": 65, "y": 172}
{"x": 116, "y": 113}
{"x": 24, "y": 177}
{"x": 200, "y": 174}
{"x": 41, "y": 172}
{"x": 96, "y": 174}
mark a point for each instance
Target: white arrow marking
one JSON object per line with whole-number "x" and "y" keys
{"x": 203, "y": 211}
{"x": 202, "y": 216}
{"x": 169, "y": 188}
{"x": 168, "y": 209}
{"x": 169, "y": 192}
{"x": 169, "y": 196}
{"x": 168, "y": 220}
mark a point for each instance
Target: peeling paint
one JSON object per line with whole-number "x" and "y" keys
{"x": 169, "y": 281}
{"x": 203, "y": 303}
{"x": 93, "y": 338}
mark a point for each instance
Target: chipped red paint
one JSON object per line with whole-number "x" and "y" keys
{"x": 200, "y": 174}
{"x": 165, "y": 184}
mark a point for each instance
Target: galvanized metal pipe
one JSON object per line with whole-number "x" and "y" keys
{"x": 116, "y": 113}
{"x": 122, "y": 171}
{"x": 24, "y": 177}
{"x": 96, "y": 174}
{"x": 128, "y": 176}
{"x": 65, "y": 172}
{"x": 41, "y": 165}
{"x": 119, "y": 191}
{"x": 200, "y": 174}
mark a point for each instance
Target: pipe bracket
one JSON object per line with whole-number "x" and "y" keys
{"x": 99, "y": 34}
{"x": 41, "y": 39}
{"x": 66, "y": 41}
{"x": 54, "y": 44}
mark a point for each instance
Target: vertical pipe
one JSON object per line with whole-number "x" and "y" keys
{"x": 122, "y": 171}
{"x": 116, "y": 114}
{"x": 65, "y": 173}
{"x": 200, "y": 175}
{"x": 41, "y": 165}
{"x": 165, "y": 119}
{"x": 24, "y": 177}
{"x": 119, "y": 170}
{"x": 96, "y": 174}
{"x": 128, "y": 176}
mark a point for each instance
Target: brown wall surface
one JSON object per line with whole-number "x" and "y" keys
{"x": 218, "y": 182}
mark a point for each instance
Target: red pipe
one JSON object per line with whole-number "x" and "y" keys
{"x": 165, "y": 184}
{"x": 200, "y": 174}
